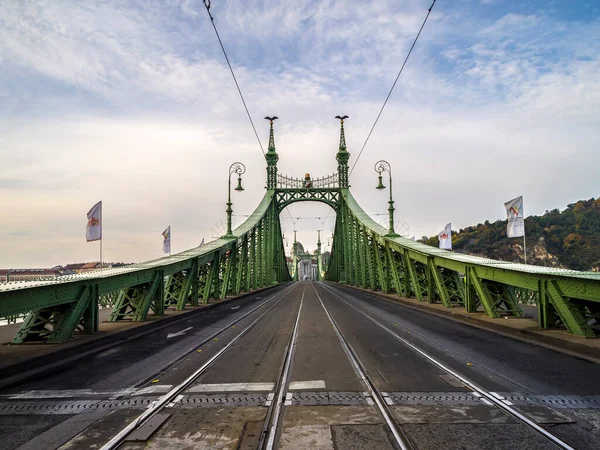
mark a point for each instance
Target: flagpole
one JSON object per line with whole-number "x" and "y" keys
{"x": 101, "y": 236}
{"x": 524, "y": 242}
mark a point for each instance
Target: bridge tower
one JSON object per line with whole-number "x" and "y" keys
{"x": 272, "y": 157}
{"x": 342, "y": 157}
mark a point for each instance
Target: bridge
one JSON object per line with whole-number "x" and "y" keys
{"x": 294, "y": 364}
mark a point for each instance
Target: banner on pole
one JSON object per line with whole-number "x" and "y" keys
{"x": 445, "y": 237}
{"x": 167, "y": 241}
{"x": 516, "y": 221}
{"x": 93, "y": 230}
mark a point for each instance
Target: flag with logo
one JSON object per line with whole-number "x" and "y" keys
{"x": 93, "y": 230}
{"x": 516, "y": 220}
{"x": 167, "y": 241}
{"x": 445, "y": 237}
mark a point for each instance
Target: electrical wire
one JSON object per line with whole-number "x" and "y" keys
{"x": 212, "y": 21}
{"x": 290, "y": 214}
{"x": 394, "y": 85}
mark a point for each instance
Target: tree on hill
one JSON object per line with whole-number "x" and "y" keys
{"x": 569, "y": 238}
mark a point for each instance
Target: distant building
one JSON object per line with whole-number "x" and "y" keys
{"x": 10, "y": 275}
{"x": 90, "y": 266}
{"x": 307, "y": 269}
{"x": 74, "y": 267}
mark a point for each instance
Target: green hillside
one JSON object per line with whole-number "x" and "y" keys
{"x": 569, "y": 238}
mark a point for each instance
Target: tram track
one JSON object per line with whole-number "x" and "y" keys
{"x": 167, "y": 399}
{"x": 271, "y": 428}
{"x": 490, "y": 397}
{"x": 383, "y": 409}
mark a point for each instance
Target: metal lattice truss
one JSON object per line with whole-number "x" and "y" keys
{"x": 285, "y": 197}
{"x": 329, "y": 181}
{"x": 252, "y": 259}
{"x": 362, "y": 255}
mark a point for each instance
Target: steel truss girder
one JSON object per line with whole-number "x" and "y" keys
{"x": 495, "y": 298}
{"x": 135, "y": 302}
{"x": 287, "y": 196}
{"x": 226, "y": 266}
{"x": 57, "y": 323}
{"x": 58, "y": 307}
{"x": 395, "y": 264}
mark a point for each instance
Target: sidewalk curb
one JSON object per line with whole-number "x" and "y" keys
{"x": 29, "y": 368}
{"x": 530, "y": 337}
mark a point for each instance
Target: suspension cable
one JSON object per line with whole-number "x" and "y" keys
{"x": 290, "y": 214}
{"x": 393, "y": 85}
{"x": 212, "y": 21}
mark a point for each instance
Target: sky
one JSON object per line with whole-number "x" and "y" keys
{"x": 132, "y": 103}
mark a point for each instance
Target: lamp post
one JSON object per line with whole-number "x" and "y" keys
{"x": 239, "y": 168}
{"x": 380, "y": 167}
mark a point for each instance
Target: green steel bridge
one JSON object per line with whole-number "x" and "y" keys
{"x": 363, "y": 254}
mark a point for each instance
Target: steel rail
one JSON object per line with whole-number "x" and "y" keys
{"x": 163, "y": 401}
{"x": 399, "y": 436}
{"x": 470, "y": 384}
{"x": 208, "y": 339}
{"x": 273, "y": 417}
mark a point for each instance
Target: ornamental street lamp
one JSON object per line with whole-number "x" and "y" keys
{"x": 380, "y": 167}
{"x": 239, "y": 168}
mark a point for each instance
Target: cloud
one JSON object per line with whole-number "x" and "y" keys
{"x": 136, "y": 107}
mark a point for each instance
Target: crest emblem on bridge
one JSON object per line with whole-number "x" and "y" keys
{"x": 307, "y": 181}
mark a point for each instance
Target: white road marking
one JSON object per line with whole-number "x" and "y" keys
{"x": 368, "y": 398}
{"x": 66, "y": 393}
{"x": 175, "y": 400}
{"x": 154, "y": 389}
{"x": 301, "y": 385}
{"x": 288, "y": 399}
{"x": 233, "y": 387}
{"x": 498, "y": 396}
{"x": 179, "y": 333}
{"x": 387, "y": 398}
{"x": 270, "y": 398}
{"x": 487, "y": 402}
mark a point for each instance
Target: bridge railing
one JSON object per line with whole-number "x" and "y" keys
{"x": 364, "y": 255}
{"x": 252, "y": 258}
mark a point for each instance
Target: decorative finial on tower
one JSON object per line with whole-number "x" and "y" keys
{"x": 271, "y": 147}
{"x": 271, "y": 157}
{"x": 342, "y": 135}
{"x": 342, "y": 156}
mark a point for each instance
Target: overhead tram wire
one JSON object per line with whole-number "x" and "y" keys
{"x": 393, "y": 85}
{"x": 212, "y": 21}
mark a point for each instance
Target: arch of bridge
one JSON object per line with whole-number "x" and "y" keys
{"x": 292, "y": 190}
{"x": 329, "y": 196}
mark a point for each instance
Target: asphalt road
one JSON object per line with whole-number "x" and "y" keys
{"x": 326, "y": 406}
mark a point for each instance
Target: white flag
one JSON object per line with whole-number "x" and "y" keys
{"x": 167, "y": 242}
{"x": 445, "y": 237}
{"x": 93, "y": 230}
{"x": 516, "y": 220}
